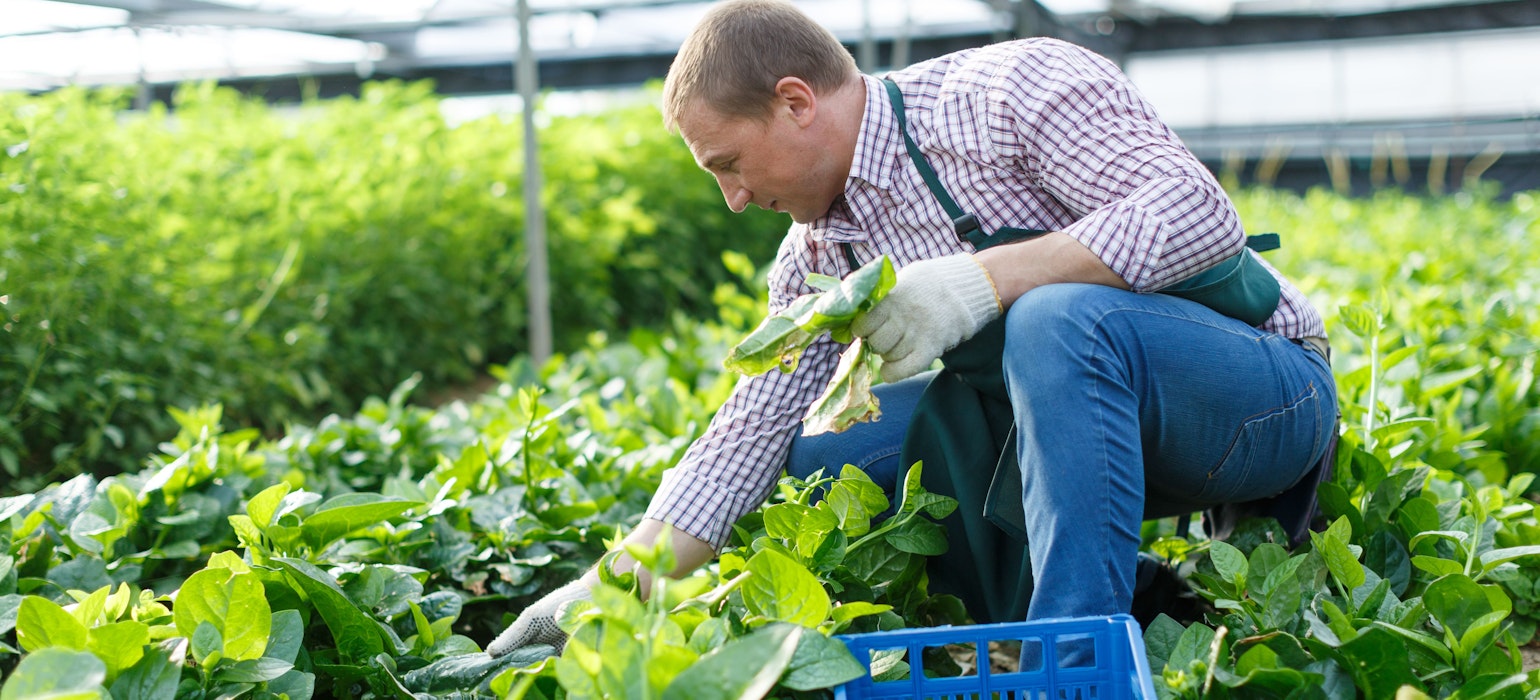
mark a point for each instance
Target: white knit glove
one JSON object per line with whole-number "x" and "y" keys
{"x": 537, "y": 624}
{"x": 935, "y": 305}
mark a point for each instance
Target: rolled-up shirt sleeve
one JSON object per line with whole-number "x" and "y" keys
{"x": 1145, "y": 205}
{"x": 732, "y": 468}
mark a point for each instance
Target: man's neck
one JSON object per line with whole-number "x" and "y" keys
{"x": 849, "y": 110}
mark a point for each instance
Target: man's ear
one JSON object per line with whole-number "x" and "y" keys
{"x": 798, "y": 99}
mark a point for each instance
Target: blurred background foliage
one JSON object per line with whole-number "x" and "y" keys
{"x": 289, "y": 262}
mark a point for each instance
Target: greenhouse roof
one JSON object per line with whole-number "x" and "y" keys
{"x": 46, "y": 44}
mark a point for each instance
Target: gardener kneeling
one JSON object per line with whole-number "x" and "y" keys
{"x": 1035, "y": 205}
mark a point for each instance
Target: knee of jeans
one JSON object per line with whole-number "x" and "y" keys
{"x": 1053, "y": 313}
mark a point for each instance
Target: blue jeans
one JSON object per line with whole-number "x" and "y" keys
{"x": 1127, "y": 407}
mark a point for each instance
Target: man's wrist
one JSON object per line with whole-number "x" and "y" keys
{"x": 970, "y": 283}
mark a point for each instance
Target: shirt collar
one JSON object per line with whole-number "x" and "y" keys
{"x": 877, "y": 145}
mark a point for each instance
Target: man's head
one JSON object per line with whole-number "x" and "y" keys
{"x": 762, "y": 95}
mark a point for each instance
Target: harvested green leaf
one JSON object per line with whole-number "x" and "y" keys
{"x": 780, "y": 340}
{"x": 848, "y": 399}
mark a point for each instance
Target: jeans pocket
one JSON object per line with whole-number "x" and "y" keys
{"x": 1269, "y": 453}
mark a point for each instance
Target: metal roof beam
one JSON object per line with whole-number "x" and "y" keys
{"x": 1181, "y": 34}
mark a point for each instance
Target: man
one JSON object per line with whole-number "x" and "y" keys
{"x": 1126, "y": 403}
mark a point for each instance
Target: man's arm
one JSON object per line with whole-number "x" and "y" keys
{"x": 1056, "y": 257}
{"x": 1145, "y": 206}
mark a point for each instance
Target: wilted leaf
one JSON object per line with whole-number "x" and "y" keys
{"x": 848, "y": 398}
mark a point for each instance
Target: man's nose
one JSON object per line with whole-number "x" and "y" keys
{"x": 735, "y": 193}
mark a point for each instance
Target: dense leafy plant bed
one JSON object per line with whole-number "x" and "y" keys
{"x": 289, "y": 262}
{"x": 370, "y": 556}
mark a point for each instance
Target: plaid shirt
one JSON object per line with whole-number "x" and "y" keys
{"x": 1034, "y": 134}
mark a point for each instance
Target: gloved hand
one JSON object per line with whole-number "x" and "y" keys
{"x": 537, "y": 624}
{"x": 935, "y": 305}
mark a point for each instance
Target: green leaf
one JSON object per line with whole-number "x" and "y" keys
{"x": 1458, "y": 602}
{"x": 1339, "y": 623}
{"x": 781, "y": 589}
{"x": 10, "y": 605}
{"x": 858, "y": 292}
{"x": 1378, "y": 663}
{"x": 154, "y": 677}
{"x": 288, "y": 634}
{"x": 1437, "y": 383}
{"x": 1228, "y": 561}
{"x": 1260, "y": 565}
{"x": 207, "y": 643}
{"x": 1281, "y": 604}
{"x": 297, "y": 685}
{"x": 712, "y": 633}
{"x": 1360, "y": 320}
{"x": 1493, "y": 686}
{"x": 382, "y": 591}
{"x": 1492, "y": 559}
{"x": 878, "y": 563}
{"x": 1455, "y": 536}
{"x": 90, "y": 609}
{"x": 855, "y": 499}
{"x": 919, "y": 536}
{"x": 821, "y": 282}
{"x": 918, "y": 500}
{"x": 234, "y": 603}
{"x": 1160, "y": 639}
{"x": 1192, "y": 646}
{"x": 348, "y": 513}
{"x": 56, "y": 673}
{"x": 263, "y": 506}
{"x": 1340, "y": 560}
{"x": 845, "y": 612}
{"x": 784, "y": 520}
{"x": 1390, "y": 494}
{"x": 1426, "y": 643}
{"x": 425, "y": 635}
{"x": 42, "y": 624}
{"x": 119, "y": 644}
{"x": 1386, "y": 554}
{"x": 252, "y": 671}
{"x": 248, "y": 534}
{"x": 777, "y": 343}
{"x": 119, "y": 603}
{"x": 747, "y": 667}
{"x": 356, "y": 634}
{"x": 1438, "y": 566}
{"x": 821, "y": 662}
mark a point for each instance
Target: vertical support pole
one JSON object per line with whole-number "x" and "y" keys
{"x": 866, "y": 56}
{"x": 538, "y": 276}
{"x": 143, "y": 92}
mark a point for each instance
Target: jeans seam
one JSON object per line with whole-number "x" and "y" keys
{"x": 884, "y": 453}
{"x": 1105, "y": 501}
{"x": 1293, "y": 404}
{"x": 1226, "y": 328}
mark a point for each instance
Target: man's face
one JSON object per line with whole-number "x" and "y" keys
{"x": 775, "y": 163}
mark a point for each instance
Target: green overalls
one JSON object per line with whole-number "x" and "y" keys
{"x": 963, "y": 429}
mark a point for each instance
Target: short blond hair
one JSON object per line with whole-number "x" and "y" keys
{"x": 741, "y": 49}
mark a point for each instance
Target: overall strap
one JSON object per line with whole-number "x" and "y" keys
{"x": 1263, "y": 242}
{"x": 966, "y": 224}
{"x": 850, "y": 256}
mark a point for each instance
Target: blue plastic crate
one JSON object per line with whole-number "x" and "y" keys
{"x": 1097, "y": 658}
